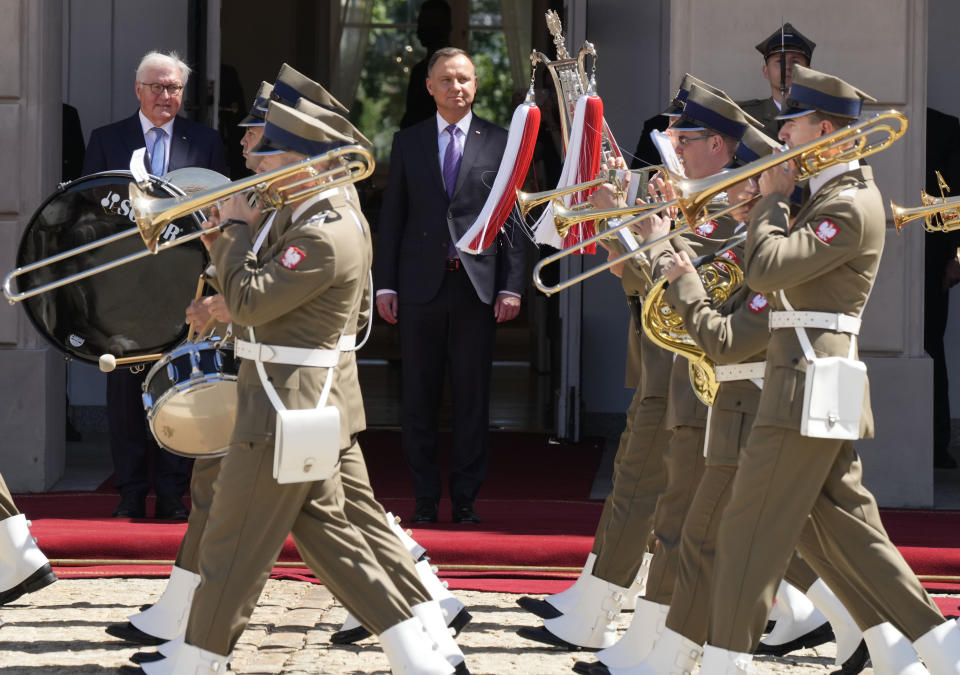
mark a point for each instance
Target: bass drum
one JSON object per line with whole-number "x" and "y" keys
{"x": 132, "y": 310}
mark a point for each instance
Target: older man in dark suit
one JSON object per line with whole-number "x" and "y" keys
{"x": 446, "y": 302}
{"x": 172, "y": 142}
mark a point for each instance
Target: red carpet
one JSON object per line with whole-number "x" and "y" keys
{"x": 537, "y": 529}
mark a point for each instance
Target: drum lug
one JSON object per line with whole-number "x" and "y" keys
{"x": 147, "y": 401}
{"x": 172, "y": 373}
{"x": 195, "y": 365}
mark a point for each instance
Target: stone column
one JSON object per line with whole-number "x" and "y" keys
{"x": 32, "y": 393}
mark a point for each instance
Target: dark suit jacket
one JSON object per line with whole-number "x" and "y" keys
{"x": 191, "y": 144}
{"x": 418, "y": 220}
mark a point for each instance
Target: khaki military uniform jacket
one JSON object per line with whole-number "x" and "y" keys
{"x": 735, "y": 332}
{"x": 683, "y": 406}
{"x": 826, "y": 262}
{"x": 765, "y": 110}
{"x": 301, "y": 289}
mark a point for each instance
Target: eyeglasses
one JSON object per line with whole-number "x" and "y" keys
{"x": 683, "y": 140}
{"x": 157, "y": 88}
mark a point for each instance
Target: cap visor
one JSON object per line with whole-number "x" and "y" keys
{"x": 793, "y": 112}
{"x": 265, "y": 147}
{"x": 687, "y": 125}
{"x": 251, "y": 121}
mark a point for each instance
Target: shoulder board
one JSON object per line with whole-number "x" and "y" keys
{"x": 317, "y": 219}
{"x": 848, "y": 193}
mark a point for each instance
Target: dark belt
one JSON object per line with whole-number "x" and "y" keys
{"x": 452, "y": 264}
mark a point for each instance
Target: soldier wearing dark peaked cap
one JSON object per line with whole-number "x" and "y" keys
{"x": 785, "y": 48}
{"x": 816, "y": 272}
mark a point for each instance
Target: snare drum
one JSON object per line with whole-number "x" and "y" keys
{"x": 131, "y": 310}
{"x": 191, "y": 398}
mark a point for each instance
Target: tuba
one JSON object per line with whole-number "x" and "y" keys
{"x": 665, "y": 327}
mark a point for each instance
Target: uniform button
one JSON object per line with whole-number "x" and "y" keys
{"x": 738, "y": 403}
{"x": 796, "y": 361}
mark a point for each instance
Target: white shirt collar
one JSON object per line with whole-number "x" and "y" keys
{"x": 826, "y": 175}
{"x": 463, "y": 125}
{"x": 147, "y": 125}
{"x": 777, "y": 103}
{"x": 326, "y": 194}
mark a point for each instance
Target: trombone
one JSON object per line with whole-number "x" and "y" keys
{"x": 940, "y": 214}
{"x": 352, "y": 163}
{"x": 843, "y": 145}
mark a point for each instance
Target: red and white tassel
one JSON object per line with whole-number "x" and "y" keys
{"x": 581, "y": 164}
{"x": 521, "y": 140}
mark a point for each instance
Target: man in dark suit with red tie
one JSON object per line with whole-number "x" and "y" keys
{"x": 172, "y": 142}
{"x": 447, "y": 302}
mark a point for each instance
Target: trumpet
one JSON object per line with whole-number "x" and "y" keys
{"x": 352, "y": 163}
{"x": 843, "y": 145}
{"x": 940, "y": 214}
{"x": 526, "y": 201}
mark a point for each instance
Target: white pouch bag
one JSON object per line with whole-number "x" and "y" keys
{"x": 307, "y": 445}
{"x": 833, "y": 391}
{"x": 833, "y": 397}
{"x": 306, "y": 441}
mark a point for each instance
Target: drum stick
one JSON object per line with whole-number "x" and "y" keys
{"x": 206, "y": 327}
{"x": 196, "y": 296}
{"x": 109, "y": 362}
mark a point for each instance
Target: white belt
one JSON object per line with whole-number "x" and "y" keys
{"x": 841, "y": 323}
{"x": 293, "y": 356}
{"x": 740, "y": 371}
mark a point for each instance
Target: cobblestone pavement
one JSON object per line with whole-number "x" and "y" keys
{"x": 60, "y": 629}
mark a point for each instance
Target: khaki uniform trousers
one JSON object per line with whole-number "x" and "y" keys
{"x": 684, "y": 462}
{"x": 7, "y": 508}
{"x": 639, "y": 476}
{"x": 782, "y": 479}
{"x": 689, "y": 609}
{"x": 248, "y": 522}
{"x": 360, "y": 506}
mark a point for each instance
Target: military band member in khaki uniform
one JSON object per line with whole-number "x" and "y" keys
{"x": 790, "y": 47}
{"x": 734, "y": 333}
{"x": 23, "y": 567}
{"x": 304, "y": 289}
{"x": 824, "y": 262}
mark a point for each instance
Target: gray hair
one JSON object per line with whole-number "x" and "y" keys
{"x": 156, "y": 58}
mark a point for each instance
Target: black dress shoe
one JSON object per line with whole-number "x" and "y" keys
{"x": 425, "y": 511}
{"x": 584, "y": 667}
{"x": 44, "y": 576}
{"x": 170, "y": 507}
{"x": 541, "y": 634}
{"x": 464, "y": 513}
{"x": 818, "y": 636}
{"x": 541, "y": 608}
{"x": 132, "y": 505}
{"x": 857, "y": 661}
{"x": 147, "y": 657}
{"x": 349, "y": 636}
{"x": 130, "y": 633}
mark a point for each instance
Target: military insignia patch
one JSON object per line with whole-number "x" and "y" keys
{"x": 758, "y": 303}
{"x": 707, "y": 229}
{"x": 731, "y": 256}
{"x": 292, "y": 257}
{"x": 826, "y": 231}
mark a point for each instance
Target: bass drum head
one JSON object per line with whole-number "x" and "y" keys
{"x": 130, "y": 310}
